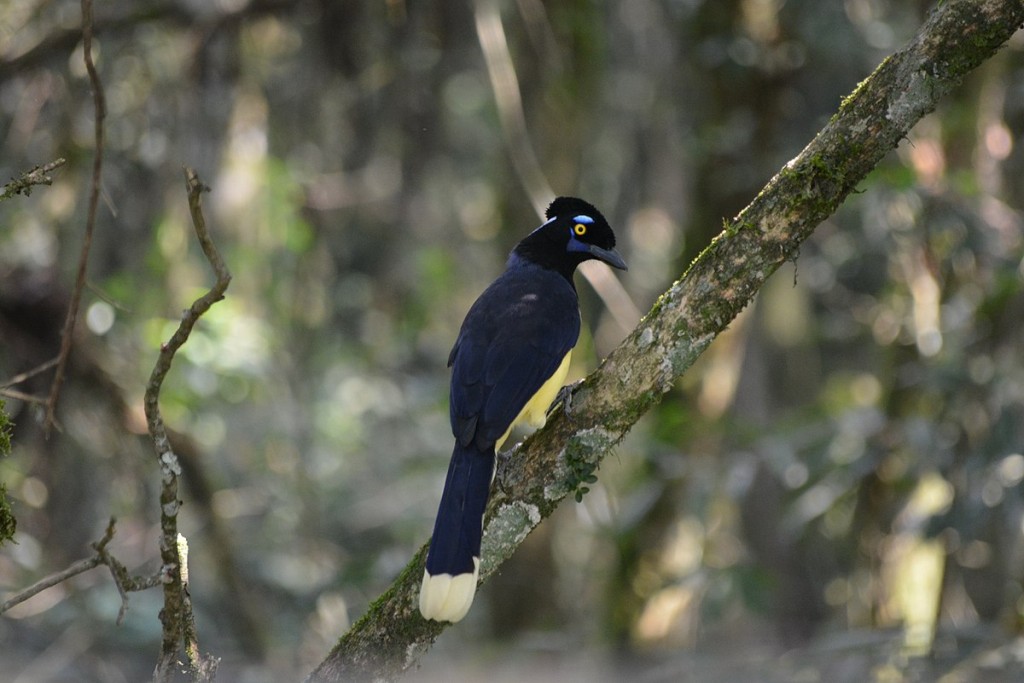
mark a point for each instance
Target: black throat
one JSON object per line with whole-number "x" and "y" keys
{"x": 545, "y": 252}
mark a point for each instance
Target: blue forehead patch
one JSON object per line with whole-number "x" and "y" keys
{"x": 583, "y": 219}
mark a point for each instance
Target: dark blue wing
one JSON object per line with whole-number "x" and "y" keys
{"x": 513, "y": 339}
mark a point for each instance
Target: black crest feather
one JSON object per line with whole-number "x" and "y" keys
{"x": 572, "y": 206}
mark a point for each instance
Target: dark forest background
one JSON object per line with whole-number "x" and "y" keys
{"x": 839, "y": 477}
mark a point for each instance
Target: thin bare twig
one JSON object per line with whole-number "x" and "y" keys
{"x": 125, "y": 583}
{"x": 22, "y": 396}
{"x": 76, "y": 568}
{"x": 176, "y": 616}
{"x": 5, "y": 386}
{"x": 103, "y": 296}
{"x": 29, "y": 179}
{"x": 100, "y": 109}
{"x": 28, "y": 374}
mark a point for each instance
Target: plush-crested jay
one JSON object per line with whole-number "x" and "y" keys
{"x": 508, "y": 364}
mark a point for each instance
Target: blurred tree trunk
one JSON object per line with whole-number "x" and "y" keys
{"x": 958, "y": 37}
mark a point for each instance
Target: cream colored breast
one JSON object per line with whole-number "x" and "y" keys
{"x": 534, "y": 413}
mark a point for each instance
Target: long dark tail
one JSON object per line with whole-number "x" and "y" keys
{"x": 453, "y": 562}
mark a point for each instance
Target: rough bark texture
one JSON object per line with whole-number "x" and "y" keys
{"x": 958, "y": 37}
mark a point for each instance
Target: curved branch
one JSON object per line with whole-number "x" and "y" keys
{"x": 960, "y": 35}
{"x": 176, "y": 616}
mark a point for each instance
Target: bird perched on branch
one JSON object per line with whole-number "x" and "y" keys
{"x": 508, "y": 365}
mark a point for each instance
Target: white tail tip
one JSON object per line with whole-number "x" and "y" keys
{"x": 444, "y": 597}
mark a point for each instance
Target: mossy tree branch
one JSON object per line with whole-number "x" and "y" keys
{"x": 959, "y": 35}
{"x": 23, "y": 184}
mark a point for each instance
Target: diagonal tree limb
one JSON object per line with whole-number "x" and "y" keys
{"x": 958, "y": 36}
{"x": 176, "y": 617}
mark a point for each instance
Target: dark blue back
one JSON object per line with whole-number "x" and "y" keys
{"x": 512, "y": 340}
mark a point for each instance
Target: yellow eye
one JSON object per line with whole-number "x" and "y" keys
{"x": 580, "y": 229}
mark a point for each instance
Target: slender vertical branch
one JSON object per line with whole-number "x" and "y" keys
{"x": 100, "y": 112}
{"x": 505, "y": 85}
{"x": 176, "y": 616}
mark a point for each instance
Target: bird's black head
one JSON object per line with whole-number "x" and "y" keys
{"x": 574, "y": 232}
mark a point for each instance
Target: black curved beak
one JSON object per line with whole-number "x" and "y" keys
{"x": 609, "y": 256}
